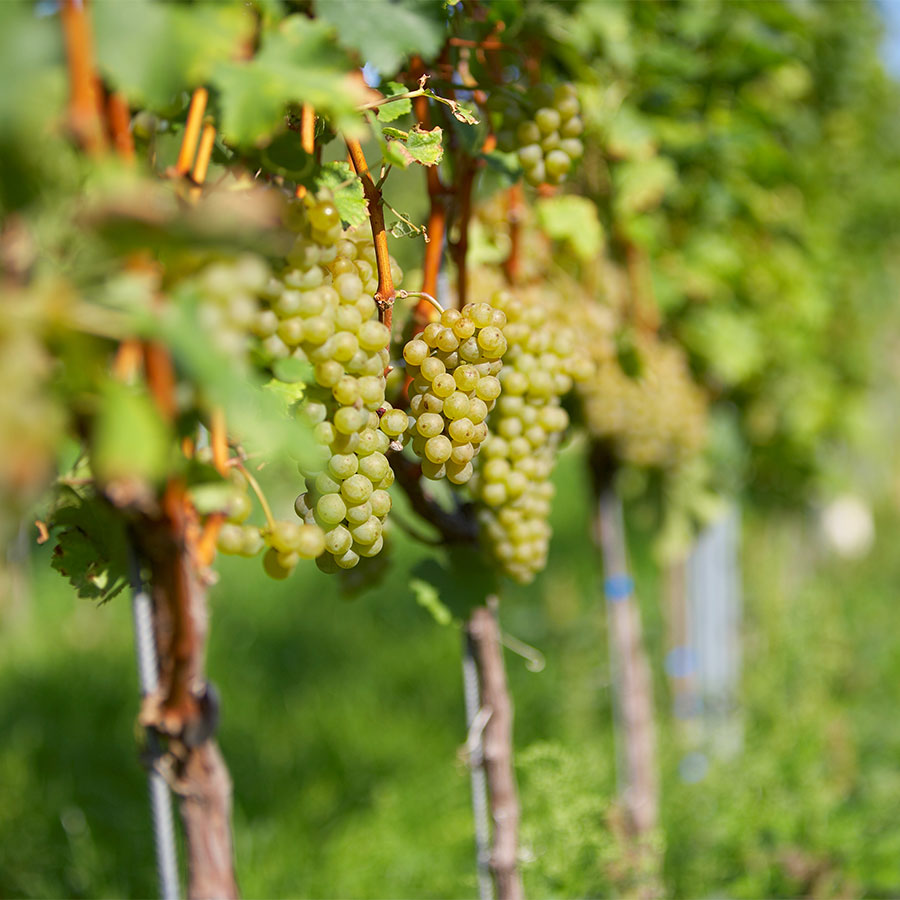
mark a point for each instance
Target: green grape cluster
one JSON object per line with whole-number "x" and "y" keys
{"x": 657, "y": 419}
{"x": 512, "y": 481}
{"x": 229, "y": 301}
{"x": 288, "y": 542}
{"x": 544, "y": 133}
{"x": 454, "y": 365}
{"x": 322, "y": 311}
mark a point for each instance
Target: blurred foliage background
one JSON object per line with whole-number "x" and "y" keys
{"x": 343, "y": 722}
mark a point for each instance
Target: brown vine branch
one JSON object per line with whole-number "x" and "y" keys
{"x": 191, "y": 131}
{"x": 437, "y": 214}
{"x": 644, "y": 309}
{"x": 460, "y": 246}
{"x": 455, "y": 527}
{"x": 515, "y": 211}
{"x": 483, "y": 632}
{"x": 204, "y": 155}
{"x": 119, "y": 119}
{"x": 308, "y": 129}
{"x": 384, "y": 296}
{"x": 85, "y": 111}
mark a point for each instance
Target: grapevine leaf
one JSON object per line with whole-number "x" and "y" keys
{"x": 284, "y": 156}
{"x": 130, "y": 439}
{"x": 390, "y": 112}
{"x": 152, "y": 51}
{"x": 574, "y": 220}
{"x": 287, "y": 393}
{"x": 641, "y": 184}
{"x": 92, "y": 546}
{"x": 425, "y": 147}
{"x": 389, "y": 30}
{"x": 393, "y": 152}
{"x": 428, "y": 598}
{"x": 297, "y": 63}
{"x": 292, "y": 370}
{"x": 260, "y": 419}
{"x": 459, "y": 579}
{"x": 346, "y": 189}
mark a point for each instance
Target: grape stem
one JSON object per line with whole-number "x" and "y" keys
{"x": 422, "y": 295}
{"x": 254, "y": 484}
{"x": 384, "y": 296}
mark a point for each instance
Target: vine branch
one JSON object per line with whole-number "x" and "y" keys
{"x": 455, "y": 527}
{"x": 385, "y": 294}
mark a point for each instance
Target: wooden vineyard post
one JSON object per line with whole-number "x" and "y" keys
{"x": 475, "y": 757}
{"x": 483, "y": 632}
{"x": 631, "y": 679}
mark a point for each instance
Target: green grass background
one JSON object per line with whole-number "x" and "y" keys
{"x": 342, "y": 722}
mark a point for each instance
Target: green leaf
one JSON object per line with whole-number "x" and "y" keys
{"x": 284, "y": 156}
{"x": 641, "y": 185}
{"x": 574, "y": 220}
{"x": 298, "y": 63}
{"x": 347, "y": 190}
{"x": 261, "y": 419}
{"x": 425, "y": 147}
{"x": 152, "y": 51}
{"x": 292, "y": 370}
{"x": 428, "y": 598}
{"x": 385, "y": 32}
{"x": 92, "y": 545}
{"x": 285, "y": 392}
{"x": 390, "y": 112}
{"x": 129, "y": 440}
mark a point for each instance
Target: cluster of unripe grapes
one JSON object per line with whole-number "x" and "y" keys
{"x": 287, "y": 542}
{"x": 321, "y": 310}
{"x": 656, "y": 419}
{"x": 229, "y": 307}
{"x": 512, "y": 480}
{"x": 544, "y": 130}
{"x": 327, "y": 316}
{"x": 454, "y": 365}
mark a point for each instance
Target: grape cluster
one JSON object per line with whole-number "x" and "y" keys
{"x": 657, "y": 419}
{"x": 454, "y": 365}
{"x": 545, "y": 135}
{"x": 229, "y": 301}
{"x": 288, "y": 542}
{"x": 322, "y": 311}
{"x": 512, "y": 481}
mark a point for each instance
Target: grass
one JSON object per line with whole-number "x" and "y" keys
{"x": 342, "y": 722}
